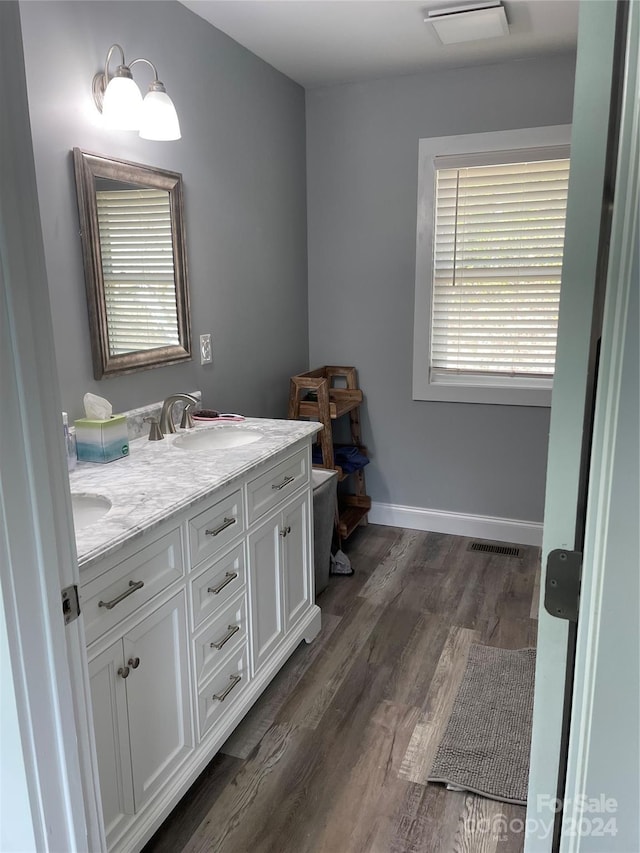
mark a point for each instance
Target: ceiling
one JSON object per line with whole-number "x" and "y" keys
{"x": 322, "y": 42}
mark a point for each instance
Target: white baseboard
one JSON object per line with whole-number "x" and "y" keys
{"x": 438, "y": 521}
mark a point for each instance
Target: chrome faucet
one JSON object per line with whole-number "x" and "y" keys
{"x": 166, "y": 420}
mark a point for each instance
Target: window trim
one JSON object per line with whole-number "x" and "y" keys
{"x": 514, "y": 391}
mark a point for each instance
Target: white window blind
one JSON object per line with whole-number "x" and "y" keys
{"x": 138, "y": 271}
{"x": 497, "y": 262}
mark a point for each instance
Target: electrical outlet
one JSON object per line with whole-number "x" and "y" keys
{"x": 205, "y": 349}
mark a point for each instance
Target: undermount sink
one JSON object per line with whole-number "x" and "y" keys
{"x": 87, "y": 509}
{"x": 217, "y": 438}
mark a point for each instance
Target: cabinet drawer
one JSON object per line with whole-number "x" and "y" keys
{"x": 276, "y": 484}
{"x": 216, "y": 641}
{"x": 223, "y": 691}
{"x": 215, "y": 586}
{"x": 123, "y": 589}
{"x": 214, "y": 528}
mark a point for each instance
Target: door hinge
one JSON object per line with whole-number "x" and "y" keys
{"x": 562, "y": 587}
{"x": 70, "y": 604}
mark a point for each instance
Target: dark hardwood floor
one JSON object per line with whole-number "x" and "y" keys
{"x": 334, "y": 756}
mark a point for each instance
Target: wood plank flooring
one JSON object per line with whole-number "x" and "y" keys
{"x": 334, "y": 756}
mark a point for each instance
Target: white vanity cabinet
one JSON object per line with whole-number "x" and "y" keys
{"x": 186, "y": 630}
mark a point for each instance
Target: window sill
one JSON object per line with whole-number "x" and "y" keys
{"x": 461, "y": 390}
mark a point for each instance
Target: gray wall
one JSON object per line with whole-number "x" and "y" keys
{"x": 242, "y": 155}
{"x": 362, "y": 158}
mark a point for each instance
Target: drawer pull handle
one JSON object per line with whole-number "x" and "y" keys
{"x": 234, "y": 679}
{"x": 226, "y": 523}
{"x": 123, "y": 672}
{"x": 284, "y": 483}
{"x": 229, "y": 576}
{"x": 285, "y": 531}
{"x": 134, "y": 663}
{"x": 232, "y": 629}
{"x": 133, "y": 586}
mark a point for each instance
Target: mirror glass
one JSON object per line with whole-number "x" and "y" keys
{"x": 135, "y": 266}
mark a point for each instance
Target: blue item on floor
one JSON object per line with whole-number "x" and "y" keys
{"x": 347, "y": 456}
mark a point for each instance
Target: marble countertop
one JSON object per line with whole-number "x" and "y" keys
{"x": 158, "y": 480}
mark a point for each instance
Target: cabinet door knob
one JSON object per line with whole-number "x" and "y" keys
{"x": 124, "y": 672}
{"x": 134, "y": 663}
{"x": 285, "y": 531}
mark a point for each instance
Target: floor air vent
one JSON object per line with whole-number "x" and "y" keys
{"x": 487, "y": 548}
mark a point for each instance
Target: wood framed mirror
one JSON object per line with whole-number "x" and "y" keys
{"x": 134, "y": 251}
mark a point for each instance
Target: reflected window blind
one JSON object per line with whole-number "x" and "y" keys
{"x": 137, "y": 264}
{"x": 498, "y": 244}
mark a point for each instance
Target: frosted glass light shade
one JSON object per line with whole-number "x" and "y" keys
{"x": 159, "y": 119}
{"x": 122, "y": 104}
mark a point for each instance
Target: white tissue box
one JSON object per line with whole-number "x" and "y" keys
{"x": 102, "y": 440}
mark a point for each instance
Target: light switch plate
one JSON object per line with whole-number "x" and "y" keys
{"x": 205, "y": 349}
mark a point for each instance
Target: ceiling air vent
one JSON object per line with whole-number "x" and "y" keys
{"x": 488, "y": 548}
{"x": 469, "y": 21}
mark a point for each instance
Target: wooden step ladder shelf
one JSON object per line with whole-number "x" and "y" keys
{"x": 324, "y": 395}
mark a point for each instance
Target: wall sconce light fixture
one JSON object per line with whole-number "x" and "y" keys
{"x": 120, "y": 101}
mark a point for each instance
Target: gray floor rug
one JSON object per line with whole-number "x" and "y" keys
{"x": 485, "y": 747}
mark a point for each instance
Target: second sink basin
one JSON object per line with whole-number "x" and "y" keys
{"x": 87, "y": 509}
{"x": 217, "y": 438}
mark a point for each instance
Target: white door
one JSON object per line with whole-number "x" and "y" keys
{"x": 45, "y": 686}
{"x": 604, "y": 746}
{"x": 569, "y": 448}
{"x": 160, "y": 719}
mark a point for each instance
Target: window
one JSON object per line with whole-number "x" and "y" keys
{"x": 489, "y": 260}
{"x": 138, "y": 270}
